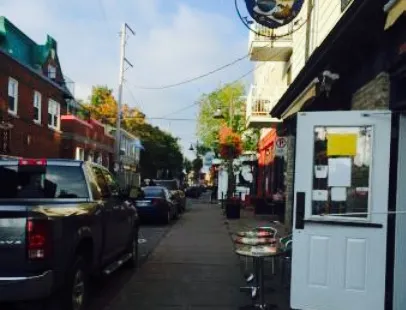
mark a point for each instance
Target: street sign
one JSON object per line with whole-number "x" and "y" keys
{"x": 281, "y": 147}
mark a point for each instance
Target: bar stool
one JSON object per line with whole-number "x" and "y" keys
{"x": 258, "y": 254}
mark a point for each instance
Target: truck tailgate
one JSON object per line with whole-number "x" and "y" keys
{"x": 13, "y": 220}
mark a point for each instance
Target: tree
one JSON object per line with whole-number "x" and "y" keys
{"x": 230, "y": 95}
{"x": 162, "y": 150}
{"x": 187, "y": 165}
{"x": 197, "y": 165}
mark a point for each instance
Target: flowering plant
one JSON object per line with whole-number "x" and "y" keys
{"x": 230, "y": 143}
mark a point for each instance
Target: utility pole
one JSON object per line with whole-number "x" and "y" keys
{"x": 123, "y": 61}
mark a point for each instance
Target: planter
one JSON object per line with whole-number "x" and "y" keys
{"x": 233, "y": 209}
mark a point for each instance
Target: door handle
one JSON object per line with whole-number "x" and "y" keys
{"x": 300, "y": 209}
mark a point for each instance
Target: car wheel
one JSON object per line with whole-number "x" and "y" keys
{"x": 133, "y": 250}
{"x": 74, "y": 294}
{"x": 166, "y": 219}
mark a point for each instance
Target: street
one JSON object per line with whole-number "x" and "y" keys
{"x": 188, "y": 264}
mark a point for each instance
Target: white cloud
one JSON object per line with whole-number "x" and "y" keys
{"x": 168, "y": 47}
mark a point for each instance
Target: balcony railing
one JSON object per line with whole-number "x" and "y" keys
{"x": 260, "y": 102}
{"x": 267, "y": 44}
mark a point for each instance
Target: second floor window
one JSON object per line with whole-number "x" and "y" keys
{"x": 12, "y": 95}
{"x": 37, "y": 107}
{"x": 53, "y": 114}
{"x": 51, "y": 72}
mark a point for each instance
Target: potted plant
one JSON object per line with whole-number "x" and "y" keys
{"x": 230, "y": 147}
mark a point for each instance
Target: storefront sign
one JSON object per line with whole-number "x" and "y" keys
{"x": 281, "y": 147}
{"x": 274, "y": 13}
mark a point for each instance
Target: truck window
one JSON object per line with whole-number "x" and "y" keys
{"x": 49, "y": 182}
{"x": 111, "y": 182}
{"x": 101, "y": 182}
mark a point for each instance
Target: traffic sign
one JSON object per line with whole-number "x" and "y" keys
{"x": 281, "y": 147}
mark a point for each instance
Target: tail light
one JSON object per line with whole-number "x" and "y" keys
{"x": 38, "y": 239}
{"x": 157, "y": 201}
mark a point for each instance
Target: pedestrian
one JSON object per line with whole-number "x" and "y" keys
{"x": 214, "y": 191}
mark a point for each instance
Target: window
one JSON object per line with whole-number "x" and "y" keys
{"x": 111, "y": 182}
{"x": 51, "y": 72}
{"x": 47, "y": 182}
{"x": 101, "y": 182}
{"x": 37, "y": 107}
{"x": 80, "y": 154}
{"x": 341, "y": 180}
{"x": 53, "y": 114}
{"x": 12, "y": 95}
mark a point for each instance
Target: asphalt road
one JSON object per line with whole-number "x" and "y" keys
{"x": 106, "y": 289}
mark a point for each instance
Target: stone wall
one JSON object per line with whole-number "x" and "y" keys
{"x": 374, "y": 95}
{"x": 290, "y": 177}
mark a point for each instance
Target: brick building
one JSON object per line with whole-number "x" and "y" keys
{"x": 37, "y": 104}
{"x": 86, "y": 140}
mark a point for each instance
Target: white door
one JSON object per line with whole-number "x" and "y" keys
{"x": 340, "y": 219}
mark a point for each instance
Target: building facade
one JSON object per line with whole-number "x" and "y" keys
{"x": 86, "y": 140}
{"x": 33, "y": 95}
{"x": 343, "y": 115}
{"x": 130, "y": 154}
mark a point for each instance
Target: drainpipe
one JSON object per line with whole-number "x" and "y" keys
{"x": 310, "y": 5}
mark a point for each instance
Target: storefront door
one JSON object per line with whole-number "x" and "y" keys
{"x": 340, "y": 212}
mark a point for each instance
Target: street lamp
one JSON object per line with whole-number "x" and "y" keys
{"x": 191, "y": 147}
{"x": 218, "y": 114}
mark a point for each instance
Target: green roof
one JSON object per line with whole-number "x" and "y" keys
{"x": 17, "y": 44}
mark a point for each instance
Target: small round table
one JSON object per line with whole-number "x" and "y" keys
{"x": 257, "y": 249}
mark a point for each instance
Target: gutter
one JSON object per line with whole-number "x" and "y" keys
{"x": 318, "y": 56}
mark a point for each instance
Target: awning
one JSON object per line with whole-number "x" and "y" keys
{"x": 297, "y": 105}
{"x": 395, "y": 9}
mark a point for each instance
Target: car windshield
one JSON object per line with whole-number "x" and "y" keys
{"x": 45, "y": 182}
{"x": 154, "y": 192}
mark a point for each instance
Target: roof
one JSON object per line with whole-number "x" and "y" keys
{"x": 21, "y": 48}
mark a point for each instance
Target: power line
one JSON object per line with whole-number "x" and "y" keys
{"x": 194, "y": 78}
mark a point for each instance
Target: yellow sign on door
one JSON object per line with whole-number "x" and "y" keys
{"x": 342, "y": 144}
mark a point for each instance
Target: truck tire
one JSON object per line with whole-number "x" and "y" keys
{"x": 133, "y": 249}
{"x": 74, "y": 295}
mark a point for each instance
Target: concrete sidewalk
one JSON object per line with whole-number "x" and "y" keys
{"x": 194, "y": 267}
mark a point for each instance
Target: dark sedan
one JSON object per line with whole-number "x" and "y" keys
{"x": 155, "y": 203}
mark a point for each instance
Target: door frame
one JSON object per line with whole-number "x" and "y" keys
{"x": 395, "y": 180}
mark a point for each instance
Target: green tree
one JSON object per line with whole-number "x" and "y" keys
{"x": 162, "y": 150}
{"x": 187, "y": 165}
{"x": 228, "y": 98}
{"x": 197, "y": 165}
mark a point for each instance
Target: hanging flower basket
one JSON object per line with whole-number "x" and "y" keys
{"x": 230, "y": 143}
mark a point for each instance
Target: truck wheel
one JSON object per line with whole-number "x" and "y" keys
{"x": 74, "y": 296}
{"x": 133, "y": 249}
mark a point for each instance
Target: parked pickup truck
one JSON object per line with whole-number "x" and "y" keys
{"x": 61, "y": 221}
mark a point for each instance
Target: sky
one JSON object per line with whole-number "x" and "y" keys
{"x": 175, "y": 40}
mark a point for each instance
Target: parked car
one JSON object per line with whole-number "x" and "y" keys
{"x": 178, "y": 194}
{"x": 61, "y": 221}
{"x": 156, "y": 203}
{"x": 193, "y": 192}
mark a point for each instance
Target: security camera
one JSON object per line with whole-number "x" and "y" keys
{"x": 332, "y": 76}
